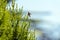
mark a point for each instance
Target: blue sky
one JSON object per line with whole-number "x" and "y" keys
{"x": 52, "y": 6}
{"x": 40, "y": 5}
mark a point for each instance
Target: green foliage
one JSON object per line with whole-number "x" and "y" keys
{"x": 11, "y": 25}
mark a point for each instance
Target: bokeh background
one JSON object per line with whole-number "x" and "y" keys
{"x": 48, "y": 14}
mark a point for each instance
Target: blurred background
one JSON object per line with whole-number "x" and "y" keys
{"x": 48, "y": 14}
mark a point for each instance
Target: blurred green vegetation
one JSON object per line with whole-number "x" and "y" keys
{"x": 11, "y": 28}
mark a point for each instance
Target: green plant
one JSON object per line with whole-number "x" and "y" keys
{"x": 12, "y": 24}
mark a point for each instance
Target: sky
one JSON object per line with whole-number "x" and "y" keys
{"x": 52, "y": 6}
{"x": 40, "y": 5}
